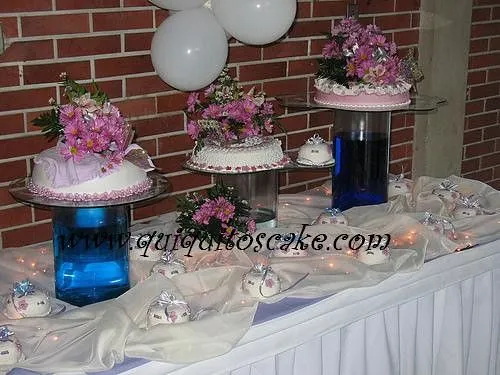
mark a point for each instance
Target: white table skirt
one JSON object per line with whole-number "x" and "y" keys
{"x": 442, "y": 320}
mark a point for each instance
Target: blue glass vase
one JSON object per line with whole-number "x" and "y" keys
{"x": 361, "y": 149}
{"x": 91, "y": 253}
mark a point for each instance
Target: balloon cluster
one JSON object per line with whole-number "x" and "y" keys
{"x": 190, "y": 48}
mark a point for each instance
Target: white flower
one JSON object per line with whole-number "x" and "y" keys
{"x": 86, "y": 103}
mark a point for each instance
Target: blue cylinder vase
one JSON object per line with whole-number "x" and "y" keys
{"x": 91, "y": 253}
{"x": 361, "y": 149}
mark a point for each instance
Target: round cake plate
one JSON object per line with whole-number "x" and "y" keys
{"x": 19, "y": 191}
{"x": 367, "y": 108}
{"x": 292, "y": 166}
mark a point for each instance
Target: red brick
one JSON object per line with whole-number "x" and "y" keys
{"x": 15, "y": 216}
{"x": 244, "y": 54}
{"x": 415, "y": 20}
{"x": 160, "y": 16}
{"x": 483, "y": 61}
{"x": 472, "y": 136}
{"x": 55, "y": 24}
{"x": 476, "y": 106}
{"x": 478, "y": 45}
{"x": 482, "y": 120}
{"x": 485, "y": 29}
{"x": 42, "y": 214}
{"x": 492, "y": 132}
{"x": 492, "y": 104}
{"x": 303, "y": 10}
{"x": 9, "y": 76}
{"x": 188, "y": 181}
{"x": 477, "y": 77}
{"x": 12, "y": 170}
{"x": 10, "y": 124}
{"x": 137, "y": 3}
{"x": 137, "y": 107}
{"x": 496, "y": 13}
{"x": 173, "y": 102}
{"x": 378, "y": 6}
{"x": 485, "y": 2}
{"x": 28, "y": 51}
{"x": 22, "y": 147}
{"x": 141, "y": 19}
{"x": 5, "y": 197}
{"x": 321, "y": 118}
{"x": 138, "y": 42}
{"x": 286, "y": 49}
{"x": 484, "y": 91}
{"x": 405, "y": 38}
{"x": 158, "y": 125}
{"x": 88, "y": 46}
{"x": 317, "y": 46}
{"x": 407, "y": 5}
{"x": 296, "y": 140}
{"x": 262, "y": 71}
{"x": 329, "y": 8}
{"x": 112, "y": 88}
{"x": 118, "y": 66}
{"x": 496, "y": 172}
{"x": 493, "y": 75}
{"x": 175, "y": 143}
{"x": 21, "y": 99}
{"x": 301, "y": 67}
{"x": 27, "y": 235}
{"x": 284, "y": 87}
{"x": 309, "y": 28}
{"x": 495, "y": 184}
{"x": 481, "y": 14}
{"x": 398, "y": 152}
{"x": 398, "y": 121}
{"x": 483, "y": 175}
{"x": 294, "y": 123}
{"x": 479, "y": 149}
{"x": 393, "y": 21}
{"x": 292, "y": 190}
{"x": 302, "y": 176}
{"x": 170, "y": 164}
{"x": 148, "y": 145}
{"x": 494, "y": 44}
{"x": 401, "y": 136}
{"x": 9, "y": 26}
{"x": 146, "y": 85}
{"x": 25, "y": 6}
{"x": 87, "y": 4}
{"x": 470, "y": 165}
{"x": 400, "y": 166}
{"x": 51, "y": 72}
{"x": 158, "y": 208}
{"x": 490, "y": 160}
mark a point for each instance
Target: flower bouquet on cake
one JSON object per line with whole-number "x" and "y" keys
{"x": 359, "y": 68}
{"x": 94, "y": 144}
{"x": 231, "y": 129}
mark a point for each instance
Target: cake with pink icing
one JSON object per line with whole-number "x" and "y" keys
{"x": 94, "y": 158}
{"x": 360, "y": 69}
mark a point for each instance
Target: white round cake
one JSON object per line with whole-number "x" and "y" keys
{"x": 255, "y": 154}
{"x": 34, "y": 305}
{"x": 54, "y": 177}
{"x": 315, "y": 152}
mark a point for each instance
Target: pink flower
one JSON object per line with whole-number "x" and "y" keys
{"x": 332, "y": 50}
{"x": 268, "y": 125}
{"x": 213, "y": 111}
{"x": 269, "y": 283}
{"x": 192, "y": 101}
{"x": 251, "y": 226}
{"x": 223, "y": 209}
{"x": 75, "y": 152}
{"x": 172, "y": 316}
{"x": 68, "y": 113}
{"x": 204, "y": 213}
{"x": 22, "y": 305}
{"x": 267, "y": 109}
{"x": 210, "y": 90}
{"x": 193, "y": 129}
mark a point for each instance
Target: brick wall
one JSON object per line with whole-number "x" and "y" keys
{"x": 109, "y": 41}
{"x": 481, "y": 149}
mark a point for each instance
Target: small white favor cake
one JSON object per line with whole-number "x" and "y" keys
{"x": 10, "y": 348}
{"x": 331, "y": 216}
{"x": 315, "y": 152}
{"x": 120, "y": 181}
{"x": 254, "y": 154}
{"x": 374, "y": 255}
{"x": 26, "y": 302}
{"x": 168, "y": 310}
{"x": 361, "y": 96}
{"x": 168, "y": 266}
{"x": 261, "y": 282}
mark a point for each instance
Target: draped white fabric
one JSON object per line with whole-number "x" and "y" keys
{"x": 442, "y": 320}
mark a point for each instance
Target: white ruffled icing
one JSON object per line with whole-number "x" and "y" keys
{"x": 330, "y": 87}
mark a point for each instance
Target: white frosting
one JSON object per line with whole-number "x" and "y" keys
{"x": 315, "y": 154}
{"x": 464, "y": 212}
{"x": 330, "y": 87}
{"x": 396, "y": 188}
{"x": 10, "y": 352}
{"x": 34, "y": 305}
{"x": 373, "y": 256}
{"x": 260, "y": 286}
{"x": 168, "y": 314}
{"x": 168, "y": 269}
{"x": 265, "y": 153}
{"x": 327, "y": 218}
{"x": 125, "y": 176}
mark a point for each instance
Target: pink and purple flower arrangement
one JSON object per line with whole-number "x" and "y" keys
{"x": 360, "y": 54}
{"x": 87, "y": 124}
{"x": 224, "y": 113}
{"x": 220, "y": 217}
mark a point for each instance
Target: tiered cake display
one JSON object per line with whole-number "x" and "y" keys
{"x": 89, "y": 178}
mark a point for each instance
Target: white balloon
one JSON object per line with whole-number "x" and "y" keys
{"x": 255, "y": 22}
{"x": 178, "y": 4}
{"x": 189, "y": 49}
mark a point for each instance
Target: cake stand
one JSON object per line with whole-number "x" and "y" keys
{"x": 91, "y": 241}
{"x": 361, "y": 147}
{"x": 259, "y": 188}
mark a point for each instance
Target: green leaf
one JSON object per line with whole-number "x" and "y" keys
{"x": 49, "y": 122}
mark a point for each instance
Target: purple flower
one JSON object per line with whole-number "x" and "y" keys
{"x": 213, "y": 111}
{"x": 223, "y": 209}
{"x": 192, "y": 101}
{"x": 68, "y": 113}
{"x": 332, "y": 50}
{"x": 251, "y": 226}
{"x": 204, "y": 213}
{"x": 193, "y": 129}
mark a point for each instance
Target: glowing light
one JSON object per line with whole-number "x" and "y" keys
{"x": 33, "y": 265}
{"x": 308, "y": 199}
{"x": 331, "y": 265}
{"x": 55, "y": 338}
{"x": 243, "y": 301}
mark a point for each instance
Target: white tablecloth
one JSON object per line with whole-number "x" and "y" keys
{"x": 442, "y": 320}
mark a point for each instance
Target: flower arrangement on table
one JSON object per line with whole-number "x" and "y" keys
{"x": 88, "y": 124}
{"x": 225, "y": 113}
{"x": 357, "y": 54}
{"x": 219, "y": 217}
